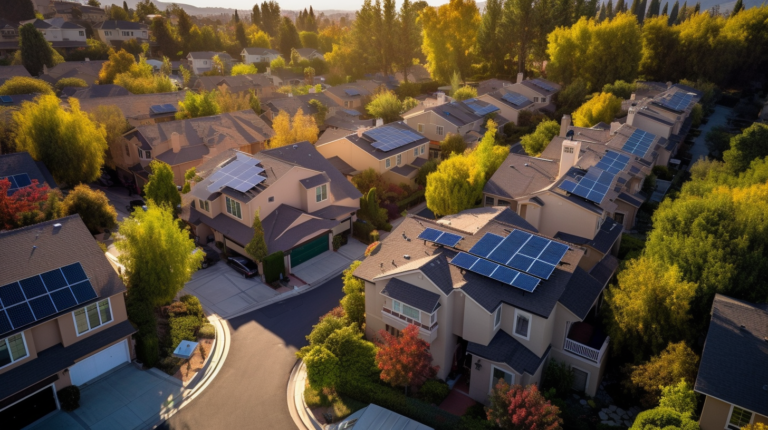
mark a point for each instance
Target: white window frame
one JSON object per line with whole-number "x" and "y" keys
{"x": 423, "y": 148}
{"x": 88, "y": 321}
{"x": 229, "y": 202}
{"x": 388, "y": 163}
{"x": 433, "y": 318}
{"x": 440, "y": 130}
{"x": 399, "y": 159}
{"x": 145, "y": 154}
{"x": 399, "y": 307}
{"x": 395, "y": 306}
{"x": 730, "y": 414}
{"x": 497, "y": 318}
{"x": 518, "y": 312}
{"x": 416, "y": 151}
{"x": 568, "y": 150}
{"x": 7, "y": 345}
{"x": 420, "y": 128}
{"x": 493, "y": 380}
{"x": 204, "y": 205}
{"x": 321, "y": 193}
{"x": 81, "y": 33}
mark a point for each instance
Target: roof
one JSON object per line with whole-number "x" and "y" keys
{"x": 412, "y": 295}
{"x": 292, "y": 104}
{"x": 455, "y": 113}
{"x": 530, "y": 84}
{"x": 521, "y": 175}
{"x": 57, "y": 358}
{"x": 472, "y": 220}
{"x": 605, "y": 269}
{"x": 346, "y": 124}
{"x": 135, "y": 106}
{"x": 66, "y": 7}
{"x": 504, "y": 348}
{"x": 404, "y": 170}
{"x": 229, "y": 227}
{"x": 341, "y": 165}
{"x": 21, "y": 162}
{"x": 95, "y": 91}
{"x": 314, "y": 181}
{"x": 629, "y": 199}
{"x": 499, "y": 94}
{"x": 52, "y": 23}
{"x": 85, "y": 70}
{"x": 490, "y": 85}
{"x": 307, "y": 52}
{"x": 418, "y": 72}
{"x": 260, "y": 51}
{"x": 208, "y": 55}
{"x": 581, "y": 293}
{"x": 235, "y": 83}
{"x": 374, "y": 417}
{"x": 185, "y": 155}
{"x": 364, "y": 89}
{"x": 733, "y": 363}
{"x": 365, "y": 142}
{"x": 287, "y": 227}
{"x": 121, "y": 25}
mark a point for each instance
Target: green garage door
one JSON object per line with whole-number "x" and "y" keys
{"x": 309, "y": 250}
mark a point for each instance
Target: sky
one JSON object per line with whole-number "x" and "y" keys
{"x": 320, "y": 5}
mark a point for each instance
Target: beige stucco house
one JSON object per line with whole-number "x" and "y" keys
{"x": 354, "y": 95}
{"x": 666, "y": 114}
{"x": 258, "y": 55}
{"x": 202, "y": 61}
{"x": 466, "y": 118}
{"x": 70, "y": 324}
{"x": 260, "y": 84}
{"x": 479, "y": 327}
{"x": 114, "y": 33}
{"x": 138, "y": 108}
{"x": 733, "y": 374}
{"x": 302, "y": 201}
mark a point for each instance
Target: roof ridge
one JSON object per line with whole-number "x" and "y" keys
{"x": 38, "y": 225}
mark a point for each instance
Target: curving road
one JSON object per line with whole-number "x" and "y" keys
{"x": 250, "y": 389}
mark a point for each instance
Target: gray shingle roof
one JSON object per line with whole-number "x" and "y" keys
{"x": 365, "y": 143}
{"x": 261, "y": 51}
{"x": 135, "y": 106}
{"x": 404, "y": 170}
{"x": 7, "y": 72}
{"x": 506, "y": 349}
{"x": 511, "y": 217}
{"x": 412, "y": 295}
{"x": 605, "y": 269}
{"x": 287, "y": 227}
{"x": 341, "y": 165}
{"x": 631, "y": 200}
{"x": 121, "y": 25}
{"x": 21, "y": 162}
{"x": 231, "y": 228}
{"x": 521, "y": 175}
{"x": 609, "y": 232}
{"x": 734, "y": 363}
{"x": 314, "y": 181}
{"x": 95, "y": 91}
{"x": 581, "y": 293}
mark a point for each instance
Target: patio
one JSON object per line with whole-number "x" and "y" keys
{"x": 458, "y": 400}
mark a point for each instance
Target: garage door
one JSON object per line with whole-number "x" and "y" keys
{"x": 309, "y": 250}
{"x": 28, "y": 410}
{"x": 579, "y": 380}
{"x": 99, "y": 363}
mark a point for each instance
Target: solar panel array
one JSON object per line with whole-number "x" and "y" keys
{"x": 495, "y": 271}
{"x": 32, "y": 299}
{"x": 639, "y": 143}
{"x": 613, "y": 162}
{"x": 440, "y": 237}
{"x": 478, "y": 109}
{"x": 515, "y": 98}
{"x": 389, "y": 138}
{"x": 18, "y": 181}
{"x": 522, "y": 251}
{"x": 6, "y": 99}
{"x": 678, "y": 101}
{"x": 352, "y": 92}
{"x": 351, "y": 112}
{"x": 165, "y": 108}
{"x": 543, "y": 85}
{"x": 242, "y": 174}
{"x": 593, "y": 186}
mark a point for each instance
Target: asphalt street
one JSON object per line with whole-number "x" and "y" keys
{"x": 250, "y": 390}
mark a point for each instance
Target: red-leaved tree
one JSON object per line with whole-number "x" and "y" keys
{"x": 522, "y": 408}
{"x": 22, "y": 201}
{"x": 405, "y": 360}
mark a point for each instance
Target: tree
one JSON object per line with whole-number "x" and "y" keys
{"x": 256, "y": 15}
{"x": 161, "y": 33}
{"x": 424, "y": 171}
{"x": 653, "y": 9}
{"x": 157, "y": 255}
{"x": 160, "y": 188}
{"x": 620, "y": 89}
{"x": 747, "y": 146}
{"x": 522, "y": 408}
{"x": 674, "y": 14}
{"x": 665, "y": 418}
{"x": 198, "y": 104}
{"x": 487, "y": 155}
{"x": 385, "y": 105}
{"x": 258, "y": 38}
{"x": 680, "y": 398}
{"x": 255, "y": 103}
{"x": 36, "y": 53}
{"x": 70, "y": 82}
{"x": 353, "y": 301}
{"x": 240, "y": 35}
{"x": 184, "y": 26}
{"x": 323, "y": 368}
{"x": 270, "y": 17}
{"x": 405, "y": 360}
{"x": 408, "y": 38}
{"x": 287, "y": 132}
{"x": 24, "y": 206}
{"x": 309, "y": 39}
{"x": 675, "y": 363}
{"x": 465, "y": 92}
{"x": 17, "y": 10}
{"x": 322, "y": 111}
{"x": 453, "y": 144}
{"x": 718, "y": 141}
{"x": 244, "y": 69}
{"x": 289, "y": 37}
{"x": 119, "y": 62}
{"x": 93, "y": 207}
{"x": 277, "y": 64}
{"x": 132, "y": 46}
{"x": 660, "y": 42}
{"x": 67, "y": 141}
{"x": 535, "y": 143}
{"x": 449, "y": 33}
{"x": 517, "y": 22}
{"x": 369, "y": 204}
{"x": 737, "y": 7}
{"x": 117, "y": 13}
{"x": 257, "y": 247}
{"x": 456, "y": 185}
{"x": 490, "y": 45}
{"x": 166, "y": 68}
{"x": 141, "y": 79}
{"x": 115, "y": 125}
{"x": 600, "y": 108}
{"x": 24, "y": 85}
{"x": 94, "y": 3}
{"x": 186, "y": 75}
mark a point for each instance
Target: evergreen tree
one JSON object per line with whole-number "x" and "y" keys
{"x": 408, "y": 38}
{"x": 737, "y": 7}
{"x": 257, "y": 247}
{"x": 653, "y": 9}
{"x": 517, "y": 19}
{"x": 160, "y": 188}
{"x": 270, "y": 18}
{"x": 236, "y": 17}
{"x": 697, "y": 8}
{"x": 620, "y": 7}
{"x": 184, "y": 26}
{"x": 601, "y": 17}
{"x": 240, "y": 35}
{"x": 35, "y": 50}
{"x": 125, "y": 7}
{"x": 609, "y": 10}
{"x": 289, "y": 37}
{"x": 388, "y": 23}
{"x": 673, "y": 14}
{"x": 256, "y": 16}
{"x": 665, "y": 11}
{"x": 162, "y": 33}
{"x": 14, "y": 11}
{"x": 489, "y": 38}
{"x": 562, "y": 13}
{"x": 642, "y": 7}
{"x": 683, "y": 14}
{"x": 635, "y": 7}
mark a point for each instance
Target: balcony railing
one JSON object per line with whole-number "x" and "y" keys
{"x": 429, "y": 332}
{"x": 585, "y": 351}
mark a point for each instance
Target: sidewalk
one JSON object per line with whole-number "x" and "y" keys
{"x": 296, "y": 383}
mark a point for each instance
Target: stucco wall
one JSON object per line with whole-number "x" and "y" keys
{"x": 480, "y": 380}
{"x": 540, "y": 329}
{"x": 431, "y": 121}
{"x": 558, "y": 214}
{"x": 478, "y": 323}
{"x": 67, "y": 321}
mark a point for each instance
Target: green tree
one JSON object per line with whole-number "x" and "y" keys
{"x": 465, "y": 92}
{"x": 161, "y": 33}
{"x": 323, "y": 370}
{"x": 490, "y": 44}
{"x": 718, "y": 141}
{"x": 184, "y": 26}
{"x": 244, "y": 69}
{"x": 158, "y": 256}
{"x": 385, "y": 105}
{"x": 240, "y": 35}
{"x": 600, "y": 108}
{"x": 70, "y": 82}
{"x": 620, "y": 89}
{"x": 115, "y": 125}
{"x": 737, "y": 7}
{"x": 424, "y": 171}
{"x": 680, "y": 398}
{"x": 408, "y": 38}
{"x": 660, "y": 42}
{"x": 141, "y": 79}
{"x": 353, "y": 301}
{"x": 673, "y": 15}
{"x": 488, "y": 155}
{"x": 186, "y": 75}
{"x": 198, "y": 104}
{"x": 24, "y": 85}
{"x": 449, "y": 34}
{"x": 257, "y": 247}
{"x": 36, "y": 53}
{"x": 571, "y": 97}
{"x": 677, "y": 362}
{"x": 277, "y": 64}
{"x": 535, "y": 143}
{"x": 452, "y": 144}
{"x": 322, "y": 111}
{"x": 67, "y": 141}
{"x": 256, "y": 15}
{"x": 665, "y": 418}
{"x": 518, "y": 21}
{"x": 17, "y": 10}
{"x": 309, "y": 39}
{"x": 750, "y": 145}
{"x": 270, "y": 17}
{"x": 93, "y": 207}
{"x": 456, "y": 185}
{"x": 255, "y": 103}
{"x": 119, "y": 62}
{"x": 289, "y": 37}
{"x": 160, "y": 188}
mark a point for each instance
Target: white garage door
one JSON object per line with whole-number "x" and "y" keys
{"x": 99, "y": 363}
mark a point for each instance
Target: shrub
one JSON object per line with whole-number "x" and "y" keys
{"x": 662, "y": 172}
{"x": 193, "y": 306}
{"x": 393, "y": 211}
{"x": 362, "y": 231}
{"x": 207, "y": 331}
{"x": 373, "y": 247}
{"x": 434, "y": 391}
{"x": 558, "y": 375}
{"x": 631, "y": 247}
{"x": 677, "y": 362}
{"x": 148, "y": 349}
{"x": 169, "y": 364}
{"x": 414, "y": 198}
{"x": 663, "y": 418}
{"x": 274, "y": 266}
{"x": 337, "y": 242}
{"x": 375, "y": 236}
{"x": 69, "y": 398}
{"x": 183, "y": 328}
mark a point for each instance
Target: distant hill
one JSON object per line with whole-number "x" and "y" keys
{"x": 708, "y": 4}
{"x": 196, "y": 10}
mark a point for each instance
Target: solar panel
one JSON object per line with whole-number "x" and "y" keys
{"x": 54, "y": 280}
{"x": 543, "y": 85}
{"x": 11, "y": 294}
{"x": 6, "y": 99}
{"x": 241, "y": 174}
{"x": 478, "y": 109}
{"x": 486, "y": 245}
{"x": 160, "y": 109}
{"x": 495, "y": 271}
{"x": 515, "y": 98}
{"x": 42, "y": 307}
{"x": 33, "y": 286}
{"x": 523, "y": 251}
{"x": 678, "y": 101}
{"x": 593, "y": 186}
{"x": 20, "y": 180}
{"x": 639, "y": 143}
{"x": 352, "y": 92}
{"x": 5, "y": 323}
{"x": 20, "y": 315}
{"x": 389, "y": 138}
{"x": 63, "y": 299}
{"x": 74, "y": 273}
{"x": 352, "y": 112}
{"x": 440, "y": 237}
{"x": 613, "y": 162}
{"x": 83, "y": 291}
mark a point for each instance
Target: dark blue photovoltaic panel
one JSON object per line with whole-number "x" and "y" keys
{"x": 20, "y": 315}
{"x": 505, "y": 275}
{"x": 5, "y": 324}
{"x": 6, "y": 99}
{"x": 11, "y": 294}
{"x": 430, "y": 234}
{"x": 32, "y": 287}
{"x": 22, "y": 180}
{"x": 613, "y": 162}
{"x": 515, "y": 98}
{"x": 678, "y": 101}
{"x": 352, "y": 92}
{"x": 440, "y": 237}
{"x": 525, "y": 282}
{"x": 388, "y": 138}
{"x": 83, "y": 291}
{"x": 541, "y": 269}
{"x": 568, "y": 186}
{"x": 521, "y": 262}
{"x": 553, "y": 253}
{"x": 478, "y": 109}
{"x": 484, "y": 267}
{"x": 464, "y": 260}
{"x": 63, "y": 299}
{"x": 495, "y": 271}
{"x": 509, "y": 247}
{"x": 42, "y": 307}
{"x": 522, "y": 251}
{"x": 54, "y": 280}
{"x": 486, "y": 245}
{"x": 639, "y": 143}
{"x": 74, "y": 273}
{"x": 593, "y": 186}
{"x": 543, "y": 85}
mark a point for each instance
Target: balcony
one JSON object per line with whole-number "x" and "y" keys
{"x": 587, "y": 341}
{"x": 401, "y": 321}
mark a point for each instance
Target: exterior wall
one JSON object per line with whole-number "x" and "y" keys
{"x": 499, "y": 201}
{"x": 629, "y": 212}
{"x": 532, "y": 213}
{"x": 119, "y": 155}
{"x": 540, "y": 329}
{"x": 561, "y": 319}
{"x": 46, "y": 335}
{"x": 649, "y": 125}
{"x": 357, "y": 102}
{"x": 431, "y": 121}
{"x": 180, "y": 169}
{"x": 478, "y": 323}
{"x": 590, "y": 259}
{"x": 480, "y": 385}
{"x": 715, "y": 415}
{"x": 532, "y": 95}
{"x": 350, "y": 153}
{"x": 67, "y": 321}
{"x": 108, "y": 36}
{"x": 248, "y": 59}
{"x": 558, "y": 214}
{"x": 63, "y": 34}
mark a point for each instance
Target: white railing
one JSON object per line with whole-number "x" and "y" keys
{"x": 402, "y": 321}
{"x": 582, "y": 350}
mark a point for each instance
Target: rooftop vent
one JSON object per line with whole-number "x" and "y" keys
{"x": 57, "y": 225}
{"x": 295, "y": 146}
{"x": 407, "y": 257}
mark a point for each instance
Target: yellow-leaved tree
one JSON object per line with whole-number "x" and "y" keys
{"x": 302, "y": 127}
{"x": 602, "y": 107}
{"x": 450, "y": 33}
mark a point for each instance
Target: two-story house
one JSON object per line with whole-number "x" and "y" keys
{"x": 310, "y": 53}
{"x": 65, "y": 10}
{"x": 666, "y": 114}
{"x": 187, "y": 143}
{"x": 9, "y": 38}
{"x": 21, "y": 170}
{"x": 354, "y": 95}
{"x": 85, "y": 70}
{"x": 63, "y": 35}
{"x": 466, "y": 118}
{"x": 202, "y": 61}
{"x": 259, "y": 55}
{"x": 114, "y": 33}
{"x": 260, "y": 84}
{"x": 733, "y": 374}
{"x": 496, "y": 301}
{"x": 395, "y": 151}
{"x": 62, "y": 319}
{"x": 510, "y": 103}
{"x": 140, "y": 109}
{"x": 291, "y": 104}
{"x": 302, "y": 201}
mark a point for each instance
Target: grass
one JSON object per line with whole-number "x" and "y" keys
{"x": 342, "y": 406}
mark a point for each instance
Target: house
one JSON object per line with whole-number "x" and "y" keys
{"x": 374, "y": 417}
{"x": 302, "y": 201}
{"x": 416, "y": 74}
{"x": 114, "y": 33}
{"x": 9, "y": 38}
{"x": 138, "y": 109}
{"x": 65, "y": 11}
{"x": 310, "y": 53}
{"x": 85, "y": 70}
{"x": 21, "y": 170}
{"x": 510, "y": 103}
{"x": 345, "y": 121}
{"x": 61, "y": 34}
{"x": 540, "y": 91}
{"x": 292, "y": 104}
{"x": 486, "y": 314}
{"x": 94, "y": 92}
{"x": 354, "y": 95}
{"x": 491, "y": 85}
{"x": 70, "y": 324}
{"x": 187, "y": 143}
{"x": 202, "y": 61}
{"x": 259, "y": 83}
{"x": 8, "y": 72}
{"x": 258, "y": 55}
{"x": 395, "y": 151}
{"x": 466, "y": 118}
{"x": 666, "y": 114}
{"x": 733, "y": 374}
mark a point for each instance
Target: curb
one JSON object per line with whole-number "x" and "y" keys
{"x": 296, "y": 381}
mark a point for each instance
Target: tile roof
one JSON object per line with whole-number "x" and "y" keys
{"x": 521, "y": 175}
{"x": 135, "y": 106}
{"x": 733, "y": 363}
{"x": 347, "y": 124}
{"x": 364, "y": 88}
{"x": 581, "y": 293}
{"x": 412, "y": 295}
{"x": 292, "y": 104}
{"x": 236, "y": 84}
{"x": 231, "y": 228}
{"x": 21, "y": 162}
{"x": 504, "y": 348}
{"x": 185, "y": 155}
{"x": 307, "y": 52}
{"x": 334, "y": 212}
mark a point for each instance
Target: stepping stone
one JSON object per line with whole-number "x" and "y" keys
{"x": 628, "y": 423}
{"x": 583, "y": 402}
{"x": 612, "y": 408}
{"x": 615, "y": 417}
{"x": 620, "y": 411}
{"x": 603, "y": 415}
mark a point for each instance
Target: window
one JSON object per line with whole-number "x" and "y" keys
{"x": 522, "y": 324}
{"x": 205, "y": 62}
{"x": 497, "y": 318}
{"x": 388, "y": 162}
{"x": 144, "y": 154}
{"x": 347, "y": 104}
{"x": 92, "y": 316}
{"x": 440, "y": 130}
{"x": 271, "y": 199}
{"x": 433, "y": 319}
{"x": 543, "y": 99}
{"x": 204, "y": 205}
{"x": 396, "y": 306}
{"x": 500, "y": 375}
{"x": 535, "y": 99}
{"x": 406, "y": 310}
{"x": 568, "y": 150}
{"x": 393, "y": 331}
{"x": 81, "y": 33}
{"x": 399, "y": 159}
{"x": 619, "y": 218}
{"x": 321, "y": 193}
{"x": 107, "y": 33}
{"x": 739, "y": 418}
{"x": 422, "y": 148}
{"x": 502, "y": 203}
{"x": 488, "y": 201}
{"x": 233, "y": 208}
{"x": 420, "y": 128}
{"x": 416, "y": 151}
{"x": 12, "y": 348}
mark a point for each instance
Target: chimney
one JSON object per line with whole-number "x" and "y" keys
{"x": 175, "y": 142}
{"x": 565, "y": 122}
{"x": 440, "y": 98}
{"x": 87, "y": 59}
{"x": 669, "y": 84}
{"x": 520, "y": 77}
{"x": 631, "y": 115}
{"x": 360, "y": 131}
{"x": 379, "y": 122}
{"x": 569, "y": 155}
{"x": 615, "y": 126}
{"x": 632, "y": 96}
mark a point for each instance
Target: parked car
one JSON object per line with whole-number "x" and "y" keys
{"x": 133, "y": 204}
{"x": 208, "y": 258}
{"x": 243, "y": 265}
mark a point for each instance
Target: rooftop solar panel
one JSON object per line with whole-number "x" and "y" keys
{"x": 515, "y": 98}
{"x": 20, "y": 315}
{"x": 11, "y": 294}
{"x": 6, "y": 99}
{"x": 495, "y": 271}
{"x": 593, "y": 186}
{"x": 241, "y": 174}
{"x": 32, "y": 287}
{"x": 440, "y": 237}
{"x": 639, "y": 143}
{"x": 613, "y": 162}
{"x": 522, "y": 251}
{"x": 352, "y": 92}
{"x": 352, "y": 112}
{"x": 389, "y": 138}
{"x": 5, "y": 323}
{"x": 678, "y": 101}
{"x": 543, "y": 85}
{"x": 20, "y": 180}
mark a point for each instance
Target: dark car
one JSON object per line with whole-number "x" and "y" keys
{"x": 243, "y": 265}
{"x": 133, "y": 204}
{"x": 209, "y": 259}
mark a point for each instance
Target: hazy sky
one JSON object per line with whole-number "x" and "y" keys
{"x": 292, "y": 4}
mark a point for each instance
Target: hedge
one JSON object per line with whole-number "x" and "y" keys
{"x": 274, "y": 265}
{"x": 362, "y": 231}
{"x": 407, "y": 202}
{"x": 183, "y": 328}
{"x": 147, "y": 349}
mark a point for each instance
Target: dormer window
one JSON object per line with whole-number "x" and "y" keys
{"x": 204, "y": 205}
{"x": 233, "y": 208}
{"x": 12, "y": 349}
{"x": 321, "y": 193}
{"x": 399, "y": 159}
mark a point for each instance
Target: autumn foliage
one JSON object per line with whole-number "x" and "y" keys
{"x": 522, "y": 408}
{"x": 22, "y": 203}
{"x": 405, "y": 361}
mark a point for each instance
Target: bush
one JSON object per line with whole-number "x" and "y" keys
{"x": 169, "y": 365}
{"x": 662, "y": 172}
{"x": 193, "y": 306}
{"x": 663, "y": 418}
{"x": 649, "y": 184}
{"x": 69, "y": 398}
{"x": 148, "y": 349}
{"x": 557, "y": 375}
{"x": 337, "y": 242}
{"x": 183, "y": 328}
{"x": 393, "y": 211}
{"x": 413, "y": 199}
{"x": 374, "y": 236}
{"x": 362, "y": 231}
{"x": 176, "y": 309}
{"x": 631, "y": 247}
{"x": 434, "y": 391}
{"x": 274, "y": 266}
{"x": 207, "y": 331}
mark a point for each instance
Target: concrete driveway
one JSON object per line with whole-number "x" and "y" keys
{"x": 119, "y": 198}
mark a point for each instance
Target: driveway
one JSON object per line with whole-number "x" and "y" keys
{"x": 119, "y": 198}
{"x": 699, "y": 149}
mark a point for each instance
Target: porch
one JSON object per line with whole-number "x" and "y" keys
{"x": 587, "y": 341}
